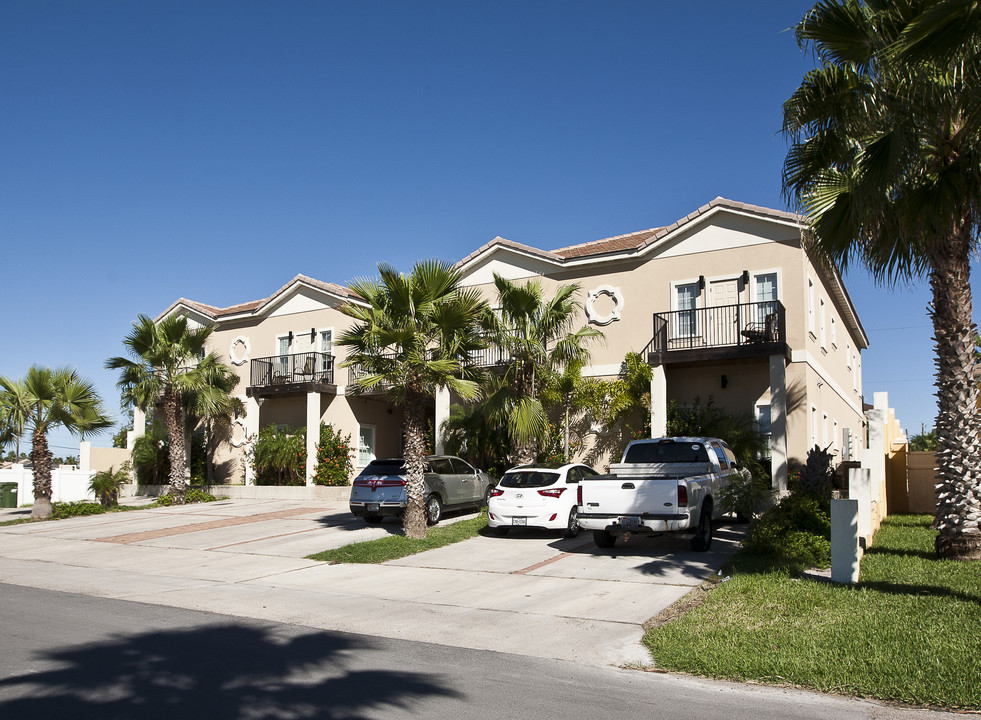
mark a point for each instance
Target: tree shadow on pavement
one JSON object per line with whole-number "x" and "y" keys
{"x": 214, "y": 672}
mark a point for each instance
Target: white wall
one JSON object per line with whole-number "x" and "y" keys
{"x": 68, "y": 484}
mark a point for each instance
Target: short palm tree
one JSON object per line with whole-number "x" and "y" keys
{"x": 886, "y": 164}
{"x": 105, "y": 485}
{"x": 536, "y": 336}
{"x": 45, "y": 399}
{"x": 417, "y": 334}
{"x": 212, "y": 406}
{"x": 165, "y": 365}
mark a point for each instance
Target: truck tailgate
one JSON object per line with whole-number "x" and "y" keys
{"x": 614, "y": 495}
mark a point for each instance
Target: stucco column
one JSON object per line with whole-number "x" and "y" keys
{"x": 252, "y": 434}
{"x": 442, "y": 414}
{"x": 139, "y": 428}
{"x": 778, "y": 423}
{"x": 85, "y": 456}
{"x": 659, "y": 402}
{"x": 313, "y": 433}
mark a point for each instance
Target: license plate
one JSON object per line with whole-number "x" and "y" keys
{"x": 371, "y": 507}
{"x": 629, "y": 521}
{"x": 519, "y": 521}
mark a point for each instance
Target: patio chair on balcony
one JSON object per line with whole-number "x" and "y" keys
{"x": 305, "y": 374}
{"x": 762, "y": 332}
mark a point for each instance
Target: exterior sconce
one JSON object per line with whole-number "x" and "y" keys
{"x": 289, "y": 337}
{"x": 745, "y": 277}
{"x": 725, "y": 382}
{"x": 313, "y": 334}
{"x": 701, "y": 282}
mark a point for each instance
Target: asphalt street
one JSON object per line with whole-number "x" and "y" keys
{"x": 76, "y": 656}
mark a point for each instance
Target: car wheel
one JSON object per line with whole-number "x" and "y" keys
{"x": 703, "y": 533}
{"x": 372, "y": 518}
{"x": 501, "y": 530}
{"x": 487, "y": 496}
{"x": 572, "y": 527}
{"x": 434, "y": 509}
{"x": 604, "y": 538}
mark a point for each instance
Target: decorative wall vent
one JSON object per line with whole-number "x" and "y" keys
{"x": 591, "y": 298}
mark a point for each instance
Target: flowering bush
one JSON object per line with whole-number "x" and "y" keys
{"x": 334, "y": 463}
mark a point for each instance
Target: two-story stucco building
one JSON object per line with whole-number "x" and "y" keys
{"x": 726, "y": 303}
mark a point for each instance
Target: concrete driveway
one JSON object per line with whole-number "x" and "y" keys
{"x": 531, "y": 592}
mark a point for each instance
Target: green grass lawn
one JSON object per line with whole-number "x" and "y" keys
{"x": 397, "y": 546}
{"x": 909, "y": 631}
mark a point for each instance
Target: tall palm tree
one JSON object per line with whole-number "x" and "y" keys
{"x": 43, "y": 400}
{"x": 536, "y": 335}
{"x": 416, "y": 335}
{"x": 886, "y": 164}
{"x": 165, "y": 366}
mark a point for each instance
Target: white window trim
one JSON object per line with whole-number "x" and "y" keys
{"x": 333, "y": 338}
{"x": 757, "y": 273}
{"x": 699, "y": 301}
{"x": 822, "y": 318}
{"x": 810, "y": 307}
{"x": 282, "y": 336}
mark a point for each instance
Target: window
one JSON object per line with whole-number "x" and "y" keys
{"x": 821, "y": 318}
{"x": 834, "y": 332}
{"x": 810, "y": 306}
{"x": 366, "y": 445}
{"x": 283, "y": 361}
{"x": 814, "y": 426}
{"x": 685, "y": 298}
{"x": 766, "y": 292}
{"x": 326, "y": 344}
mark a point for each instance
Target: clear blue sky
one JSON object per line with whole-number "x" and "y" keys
{"x": 213, "y": 150}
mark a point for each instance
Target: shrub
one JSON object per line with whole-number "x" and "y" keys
{"x": 334, "y": 463}
{"x": 105, "y": 485}
{"x": 279, "y": 456}
{"x": 817, "y": 477}
{"x": 747, "y": 494}
{"x": 62, "y": 510}
{"x": 793, "y": 535}
{"x": 193, "y": 495}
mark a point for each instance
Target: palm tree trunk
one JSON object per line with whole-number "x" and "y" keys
{"x": 414, "y": 519}
{"x": 175, "y": 429}
{"x": 959, "y": 455}
{"x": 41, "y": 459}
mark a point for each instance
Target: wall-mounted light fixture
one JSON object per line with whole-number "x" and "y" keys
{"x": 745, "y": 277}
{"x": 701, "y": 282}
{"x": 313, "y": 334}
{"x": 725, "y": 382}
{"x": 289, "y": 337}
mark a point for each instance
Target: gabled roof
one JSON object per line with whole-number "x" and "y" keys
{"x": 257, "y": 307}
{"x": 635, "y": 244}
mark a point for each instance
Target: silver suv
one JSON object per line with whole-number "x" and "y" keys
{"x": 450, "y": 483}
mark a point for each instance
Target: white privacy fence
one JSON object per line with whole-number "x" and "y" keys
{"x": 69, "y": 483}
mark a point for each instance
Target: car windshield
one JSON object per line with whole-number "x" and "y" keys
{"x": 529, "y": 479}
{"x": 666, "y": 452}
{"x": 384, "y": 467}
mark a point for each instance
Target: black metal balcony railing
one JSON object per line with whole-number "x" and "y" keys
{"x": 749, "y": 324}
{"x": 305, "y": 367}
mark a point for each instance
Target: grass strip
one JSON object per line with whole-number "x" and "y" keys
{"x": 398, "y": 546}
{"x": 82, "y": 508}
{"x": 907, "y": 632}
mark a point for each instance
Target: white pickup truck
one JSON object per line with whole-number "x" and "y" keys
{"x": 661, "y": 485}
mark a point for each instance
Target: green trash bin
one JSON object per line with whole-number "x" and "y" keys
{"x": 8, "y": 495}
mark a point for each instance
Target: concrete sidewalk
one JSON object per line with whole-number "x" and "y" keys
{"x": 528, "y": 593}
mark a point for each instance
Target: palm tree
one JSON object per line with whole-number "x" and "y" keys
{"x": 165, "y": 367}
{"x": 213, "y": 404}
{"x": 416, "y": 335}
{"x": 886, "y": 164}
{"x": 536, "y": 335}
{"x": 45, "y": 399}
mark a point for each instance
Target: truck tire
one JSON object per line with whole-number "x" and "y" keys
{"x": 604, "y": 538}
{"x": 572, "y": 526}
{"x": 703, "y": 533}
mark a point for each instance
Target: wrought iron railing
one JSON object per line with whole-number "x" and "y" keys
{"x": 304, "y": 367}
{"x": 745, "y": 324}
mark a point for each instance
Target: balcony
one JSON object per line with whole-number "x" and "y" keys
{"x": 719, "y": 333}
{"x": 285, "y": 374}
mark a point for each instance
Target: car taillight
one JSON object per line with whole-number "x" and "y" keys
{"x": 496, "y": 492}
{"x": 682, "y": 496}
{"x": 579, "y": 495}
{"x": 391, "y": 482}
{"x": 551, "y": 492}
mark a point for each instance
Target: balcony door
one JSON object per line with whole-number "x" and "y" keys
{"x": 723, "y": 297}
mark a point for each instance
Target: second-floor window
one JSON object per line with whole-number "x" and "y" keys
{"x": 326, "y": 342}
{"x": 686, "y": 297}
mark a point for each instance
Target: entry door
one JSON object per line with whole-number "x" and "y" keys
{"x": 724, "y": 299}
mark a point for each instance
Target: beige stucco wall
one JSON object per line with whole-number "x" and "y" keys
{"x": 821, "y": 375}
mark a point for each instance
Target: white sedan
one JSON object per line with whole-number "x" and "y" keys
{"x": 541, "y": 496}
